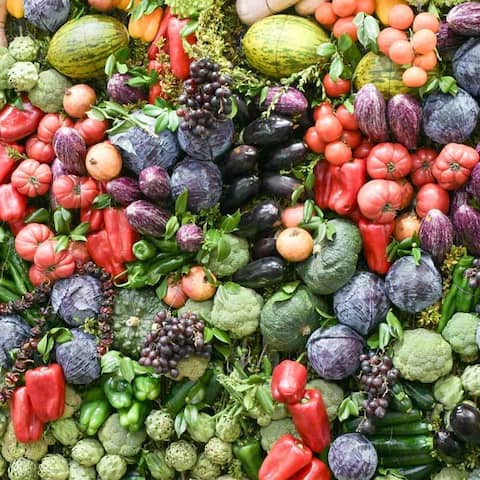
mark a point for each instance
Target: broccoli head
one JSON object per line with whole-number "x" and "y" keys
{"x": 87, "y": 452}
{"x": 332, "y": 396}
{"x": 12, "y": 450}
{"x": 422, "y": 355}
{"x": 460, "y": 332}
{"x": 80, "y": 472}
{"x": 23, "y": 469}
{"x": 448, "y": 391}
{"x": 192, "y": 367}
{"x": 236, "y": 309}
{"x": 53, "y": 467}
{"x": 111, "y": 467}
{"x": 203, "y": 429}
{"x": 23, "y": 49}
{"x": 181, "y": 456}
{"x": 227, "y": 428}
{"x": 271, "y": 433}
{"x": 205, "y": 469}
{"x": 6, "y": 62}
{"x": 218, "y": 451}
{"x": 48, "y": 93}
{"x": 116, "y": 440}
{"x": 66, "y": 431}
{"x": 159, "y": 425}
{"x": 471, "y": 380}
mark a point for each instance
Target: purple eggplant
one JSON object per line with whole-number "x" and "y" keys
{"x": 57, "y": 168}
{"x": 189, "y": 237}
{"x": 448, "y": 41}
{"x": 71, "y": 150}
{"x": 465, "y": 423}
{"x": 124, "y": 190}
{"x": 405, "y": 119}
{"x": 473, "y": 185}
{"x": 154, "y": 182}
{"x": 241, "y": 190}
{"x": 465, "y": 19}
{"x": 264, "y": 216}
{"x": 265, "y": 247}
{"x": 285, "y": 157}
{"x": 146, "y": 218}
{"x": 280, "y": 185}
{"x": 240, "y": 161}
{"x": 371, "y": 113}
{"x": 436, "y": 235}
{"x": 466, "y": 223}
{"x": 119, "y": 91}
{"x": 288, "y": 101}
{"x": 264, "y": 132}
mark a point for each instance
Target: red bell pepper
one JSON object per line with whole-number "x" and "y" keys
{"x": 8, "y": 162}
{"x": 120, "y": 234}
{"x": 323, "y": 184}
{"x": 179, "y": 59}
{"x": 94, "y": 217}
{"x": 155, "y": 91}
{"x": 287, "y": 457}
{"x": 12, "y": 203}
{"x": 288, "y": 381}
{"x": 16, "y": 124}
{"x": 100, "y": 251}
{"x": 153, "y": 50}
{"x": 317, "y": 470}
{"x": 46, "y": 389}
{"x": 26, "y": 425}
{"x": 376, "y": 237}
{"x": 311, "y": 420}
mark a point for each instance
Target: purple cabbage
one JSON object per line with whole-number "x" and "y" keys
{"x": 119, "y": 91}
{"x": 466, "y": 66}
{"x": 14, "y": 334}
{"x": 202, "y": 180}
{"x": 71, "y": 150}
{"x": 47, "y": 15}
{"x": 287, "y": 102}
{"x": 147, "y": 218}
{"x": 362, "y": 303}
{"x": 79, "y": 358}
{"x": 448, "y": 41}
{"x": 154, "y": 183}
{"x": 333, "y": 352}
{"x": 466, "y": 222}
{"x": 189, "y": 237}
{"x": 436, "y": 235}
{"x": 124, "y": 190}
{"x": 77, "y": 298}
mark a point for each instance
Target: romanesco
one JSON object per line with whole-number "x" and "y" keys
{"x": 181, "y": 456}
{"x": 205, "y": 469}
{"x": 23, "y": 469}
{"x": 116, "y": 440}
{"x": 53, "y": 467}
{"x": 460, "y": 332}
{"x": 218, "y": 451}
{"x": 203, "y": 429}
{"x": 227, "y": 428}
{"x": 23, "y": 49}
{"x": 111, "y": 467}
{"x": 48, "y": 93}
{"x": 87, "y": 452}
{"x": 448, "y": 391}
{"x": 471, "y": 380}
{"x": 66, "y": 431}
{"x": 159, "y": 425}
{"x": 22, "y": 76}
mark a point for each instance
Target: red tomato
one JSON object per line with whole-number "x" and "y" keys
{"x": 432, "y": 196}
{"x": 36, "y": 276}
{"x": 335, "y": 89}
{"x": 29, "y": 238}
{"x": 92, "y": 131}
{"x": 313, "y": 141}
{"x": 32, "y": 178}
{"x": 347, "y": 119}
{"x": 407, "y": 193}
{"x": 363, "y": 149}
{"x": 325, "y": 108}
{"x": 39, "y": 150}
{"x": 353, "y": 138}
{"x": 389, "y": 160}
{"x": 454, "y": 164}
{"x": 329, "y": 128}
{"x": 71, "y": 191}
{"x": 79, "y": 252}
{"x": 49, "y": 124}
{"x": 379, "y": 200}
{"x": 338, "y": 153}
{"x": 422, "y": 161}
{"x": 52, "y": 263}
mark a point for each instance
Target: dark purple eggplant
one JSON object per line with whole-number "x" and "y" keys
{"x": 154, "y": 182}
{"x": 285, "y": 157}
{"x": 243, "y": 113}
{"x": 473, "y": 185}
{"x": 240, "y": 161}
{"x": 280, "y": 185}
{"x": 465, "y": 423}
{"x": 436, "y": 235}
{"x": 261, "y": 273}
{"x": 466, "y": 224}
{"x": 240, "y": 191}
{"x": 273, "y": 130}
{"x": 448, "y": 447}
{"x": 124, "y": 190}
{"x": 263, "y": 216}
{"x": 265, "y": 247}
{"x": 146, "y": 218}
{"x": 71, "y": 150}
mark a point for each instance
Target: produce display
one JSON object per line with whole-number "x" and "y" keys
{"x": 239, "y": 240}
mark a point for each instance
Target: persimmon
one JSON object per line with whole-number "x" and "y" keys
{"x": 387, "y": 36}
{"x": 424, "y": 41}
{"x": 401, "y": 52}
{"x": 426, "y": 20}
{"x": 344, "y": 8}
{"x": 325, "y": 15}
{"x": 294, "y": 244}
{"x": 400, "y": 16}
{"x": 414, "y": 77}
{"x": 345, "y": 25}
{"x": 427, "y": 61}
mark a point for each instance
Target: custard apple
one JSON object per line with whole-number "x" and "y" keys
{"x": 6, "y": 62}
{"x": 23, "y": 76}
{"x": 23, "y": 49}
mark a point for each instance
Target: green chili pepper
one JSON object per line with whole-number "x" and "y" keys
{"x": 17, "y": 279}
{"x": 464, "y": 297}
{"x": 7, "y": 295}
{"x": 146, "y": 388}
{"x": 119, "y": 392}
{"x": 93, "y": 412}
{"x": 9, "y": 285}
{"x": 170, "y": 246}
{"x": 176, "y": 400}
{"x": 250, "y": 455}
{"x": 448, "y": 307}
{"x": 132, "y": 418}
{"x": 144, "y": 250}
{"x": 163, "y": 267}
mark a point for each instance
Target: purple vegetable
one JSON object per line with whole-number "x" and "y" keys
{"x": 466, "y": 222}
{"x": 15, "y": 331}
{"x": 405, "y": 119}
{"x": 333, "y": 351}
{"x": 352, "y": 457}
{"x": 57, "y": 168}
{"x": 154, "y": 183}
{"x": 473, "y": 185}
{"x": 477, "y": 148}
{"x": 448, "y": 41}
{"x": 71, "y": 150}
{"x": 147, "y": 218}
{"x": 466, "y": 66}
{"x": 124, "y": 190}
{"x": 465, "y": 19}
{"x": 289, "y": 102}
{"x": 119, "y": 91}
{"x": 436, "y": 235}
{"x": 189, "y": 237}
{"x": 371, "y": 113}
{"x": 47, "y": 15}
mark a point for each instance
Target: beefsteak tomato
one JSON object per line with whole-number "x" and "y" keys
{"x": 32, "y": 178}
{"x": 9, "y": 154}
{"x": 29, "y": 238}
{"x": 39, "y": 150}
{"x": 52, "y": 263}
{"x": 36, "y": 276}
{"x": 379, "y": 200}
{"x": 429, "y": 196}
{"x": 389, "y": 161}
{"x": 50, "y": 123}
{"x": 71, "y": 191}
{"x": 422, "y": 161}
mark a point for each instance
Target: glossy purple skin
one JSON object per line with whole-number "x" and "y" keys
{"x": 71, "y": 150}
{"x": 436, "y": 235}
{"x": 371, "y": 113}
{"x": 154, "y": 183}
{"x": 189, "y": 237}
{"x": 291, "y": 102}
{"x": 405, "y": 119}
{"x": 146, "y": 218}
{"x": 124, "y": 190}
{"x": 466, "y": 222}
{"x": 119, "y": 91}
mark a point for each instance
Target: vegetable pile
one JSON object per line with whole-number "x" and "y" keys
{"x": 239, "y": 239}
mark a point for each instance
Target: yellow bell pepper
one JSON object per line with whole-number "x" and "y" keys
{"x": 146, "y": 27}
{"x": 15, "y": 8}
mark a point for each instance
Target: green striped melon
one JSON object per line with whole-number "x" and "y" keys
{"x": 280, "y": 45}
{"x": 382, "y": 72}
{"x": 80, "y": 48}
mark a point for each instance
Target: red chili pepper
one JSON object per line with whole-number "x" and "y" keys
{"x": 94, "y": 217}
{"x": 16, "y": 124}
{"x": 179, "y": 60}
{"x": 311, "y": 420}
{"x": 46, "y": 389}
{"x": 12, "y": 203}
{"x": 26, "y": 425}
{"x": 8, "y": 162}
{"x": 153, "y": 50}
{"x": 323, "y": 183}
{"x": 317, "y": 470}
{"x": 155, "y": 91}
{"x": 376, "y": 237}
{"x": 100, "y": 251}
{"x": 286, "y": 457}
{"x": 288, "y": 381}
{"x": 120, "y": 234}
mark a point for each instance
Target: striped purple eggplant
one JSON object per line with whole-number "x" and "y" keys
{"x": 371, "y": 113}
{"x": 436, "y": 235}
{"x": 405, "y": 119}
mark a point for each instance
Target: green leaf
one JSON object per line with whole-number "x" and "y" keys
{"x": 448, "y": 85}
{"x": 310, "y": 181}
{"x": 281, "y": 296}
{"x": 40, "y": 215}
{"x": 383, "y": 336}
{"x": 264, "y": 399}
{"x": 430, "y": 86}
{"x": 221, "y": 336}
{"x": 326, "y": 49}
{"x": 336, "y": 67}
{"x": 161, "y": 290}
{"x": 291, "y": 287}
{"x": 61, "y": 335}
{"x": 142, "y": 370}
{"x": 181, "y": 203}
{"x": 344, "y": 42}
{"x": 234, "y": 111}
{"x": 223, "y": 248}
{"x": 297, "y": 194}
{"x": 61, "y": 243}
{"x": 110, "y": 66}
{"x": 42, "y": 344}
{"x": 345, "y": 409}
{"x": 191, "y": 415}
{"x": 330, "y": 231}
{"x": 207, "y": 334}
{"x": 372, "y": 341}
{"x": 81, "y": 229}
{"x": 171, "y": 228}
{"x": 417, "y": 255}
{"x": 110, "y": 362}
{"x": 223, "y": 349}
{"x": 102, "y": 201}
{"x": 323, "y": 314}
{"x": 249, "y": 400}
{"x": 180, "y": 424}
{"x": 78, "y": 238}
{"x": 348, "y": 104}
{"x": 126, "y": 368}
{"x": 122, "y": 68}
{"x": 263, "y": 95}
{"x": 122, "y": 55}
{"x": 395, "y": 325}
{"x": 161, "y": 123}
{"x": 189, "y": 28}
{"x": 173, "y": 121}
{"x": 230, "y": 222}
{"x": 321, "y": 232}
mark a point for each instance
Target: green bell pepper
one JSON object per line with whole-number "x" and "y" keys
{"x": 93, "y": 412}
{"x": 146, "y": 388}
{"x": 119, "y": 392}
{"x": 250, "y": 454}
{"x": 133, "y": 418}
{"x": 144, "y": 250}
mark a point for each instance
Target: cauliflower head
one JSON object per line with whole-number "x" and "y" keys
{"x": 236, "y": 309}
{"x": 157, "y": 466}
{"x": 471, "y": 380}
{"x": 73, "y": 401}
{"x": 423, "y": 356}
{"x": 203, "y": 429}
{"x": 23, "y": 49}
{"x": 66, "y": 431}
{"x": 227, "y": 428}
{"x": 80, "y": 472}
{"x": 23, "y": 469}
{"x": 448, "y": 391}
{"x": 181, "y": 456}
{"x": 237, "y": 258}
{"x": 13, "y": 450}
{"x": 205, "y": 469}
{"x": 6, "y": 62}
{"x": 87, "y": 452}
{"x": 159, "y": 425}
{"x": 192, "y": 367}
{"x": 271, "y": 433}
{"x": 48, "y": 93}
{"x": 460, "y": 332}
{"x": 332, "y": 396}
{"x": 112, "y": 467}
{"x": 218, "y": 451}
{"x": 449, "y": 473}
{"x": 22, "y": 76}
{"x": 116, "y": 440}
{"x": 53, "y": 467}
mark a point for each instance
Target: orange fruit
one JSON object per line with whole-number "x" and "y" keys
{"x": 424, "y": 41}
{"x": 426, "y": 20}
{"x": 387, "y": 36}
{"x": 345, "y": 25}
{"x": 414, "y": 77}
{"x": 427, "y": 61}
{"x": 365, "y": 6}
{"x": 400, "y": 16}
{"x": 344, "y": 8}
{"x": 401, "y": 52}
{"x": 324, "y": 14}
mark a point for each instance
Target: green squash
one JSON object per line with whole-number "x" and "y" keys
{"x": 133, "y": 314}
